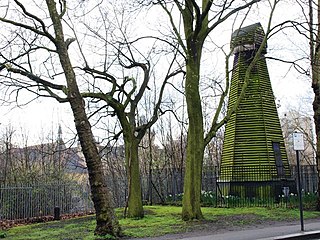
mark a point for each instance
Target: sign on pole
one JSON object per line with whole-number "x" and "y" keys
{"x": 298, "y": 144}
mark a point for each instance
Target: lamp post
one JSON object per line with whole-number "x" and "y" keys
{"x": 298, "y": 145}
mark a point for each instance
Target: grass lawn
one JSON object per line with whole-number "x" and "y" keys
{"x": 159, "y": 220}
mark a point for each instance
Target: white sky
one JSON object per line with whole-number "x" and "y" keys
{"x": 41, "y": 117}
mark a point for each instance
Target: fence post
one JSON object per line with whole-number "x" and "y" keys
{"x": 56, "y": 213}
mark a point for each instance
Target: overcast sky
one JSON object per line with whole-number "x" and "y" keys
{"x": 291, "y": 89}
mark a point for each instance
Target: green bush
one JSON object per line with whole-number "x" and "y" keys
{"x": 3, "y": 235}
{"x": 309, "y": 201}
{"x": 208, "y": 199}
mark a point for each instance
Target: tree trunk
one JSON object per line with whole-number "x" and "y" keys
{"x": 107, "y": 223}
{"x": 315, "y": 61}
{"x": 150, "y": 168}
{"x": 195, "y": 143}
{"x": 135, "y": 208}
{"x": 316, "y": 108}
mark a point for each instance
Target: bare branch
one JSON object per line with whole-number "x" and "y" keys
{"x": 35, "y": 78}
{"x": 233, "y": 11}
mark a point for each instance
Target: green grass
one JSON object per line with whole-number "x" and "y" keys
{"x": 159, "y": 220}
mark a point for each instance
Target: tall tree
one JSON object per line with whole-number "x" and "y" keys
{"x": 314, "y": 30}
{"x": 308, "y": 28}
{"x": 311, "y": 31}
{"x": 107, "y": 94}
{"x": 31, "y": 38}
{"x": 123, "y": 102}
{"x": 199, "y": 19}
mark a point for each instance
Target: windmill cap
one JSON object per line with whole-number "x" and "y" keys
{"x": 248, "y": 38}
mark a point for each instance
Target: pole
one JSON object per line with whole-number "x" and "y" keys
{"x": 299, "y": 191}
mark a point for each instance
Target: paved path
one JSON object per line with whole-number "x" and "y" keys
{"x": 291, "y": 231}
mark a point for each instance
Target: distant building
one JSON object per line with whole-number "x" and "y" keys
{"x": 291, "y": 122}
{"x": 45, "y": 162}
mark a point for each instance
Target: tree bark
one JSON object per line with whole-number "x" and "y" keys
{"x": 315, "y": 61}
{"x": 107, "y": 223}
{"x": 105, "y": 216}
{"x": 196, "y": 29}
{"x": 191, "y": 208}
{"x": 135, "y": 207}
{"x": 316, "y": 109}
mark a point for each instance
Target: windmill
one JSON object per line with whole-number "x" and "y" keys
{"x": 253, "y": 152}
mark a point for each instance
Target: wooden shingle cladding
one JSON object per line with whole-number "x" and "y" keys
{"x": 253, "y": 147}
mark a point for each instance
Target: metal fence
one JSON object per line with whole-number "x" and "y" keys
{"x": 258, "y": 190}
{"x": 245, "y": 192}
{"x": 37, "y": 200}
{"x": 254, "y": 193}
{"x": 29, "y": 201}
{"x": 309, "y": 177}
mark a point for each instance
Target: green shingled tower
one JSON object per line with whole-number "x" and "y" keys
{"x": 253, "y": 150}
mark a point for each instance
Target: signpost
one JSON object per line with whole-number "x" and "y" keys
{"x": 298, "y": 145}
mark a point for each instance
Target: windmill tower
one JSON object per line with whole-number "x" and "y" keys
{"x": 253, "y": 150}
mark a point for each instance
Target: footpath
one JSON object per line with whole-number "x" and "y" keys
{"x": 284, "y": 232}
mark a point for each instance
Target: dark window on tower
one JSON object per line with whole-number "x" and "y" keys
{"x": 236, "y": 59}
{"x": 277, "y": 156}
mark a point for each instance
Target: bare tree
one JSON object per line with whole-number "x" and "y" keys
{"x": 198, "y": 20}
{"x": 104, "y": 94}
{"x": 125, "y": 96}
{"x": 47, "y": 161}
{"x": 5, "y": 155}
{"x": 314, "y": 31}
{"x": 309, "y": 28}
{"x": 37, "y": 31}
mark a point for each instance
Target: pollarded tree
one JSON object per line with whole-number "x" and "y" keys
{"x": 34, "y": 49}
{"x": 199, "y": 19}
